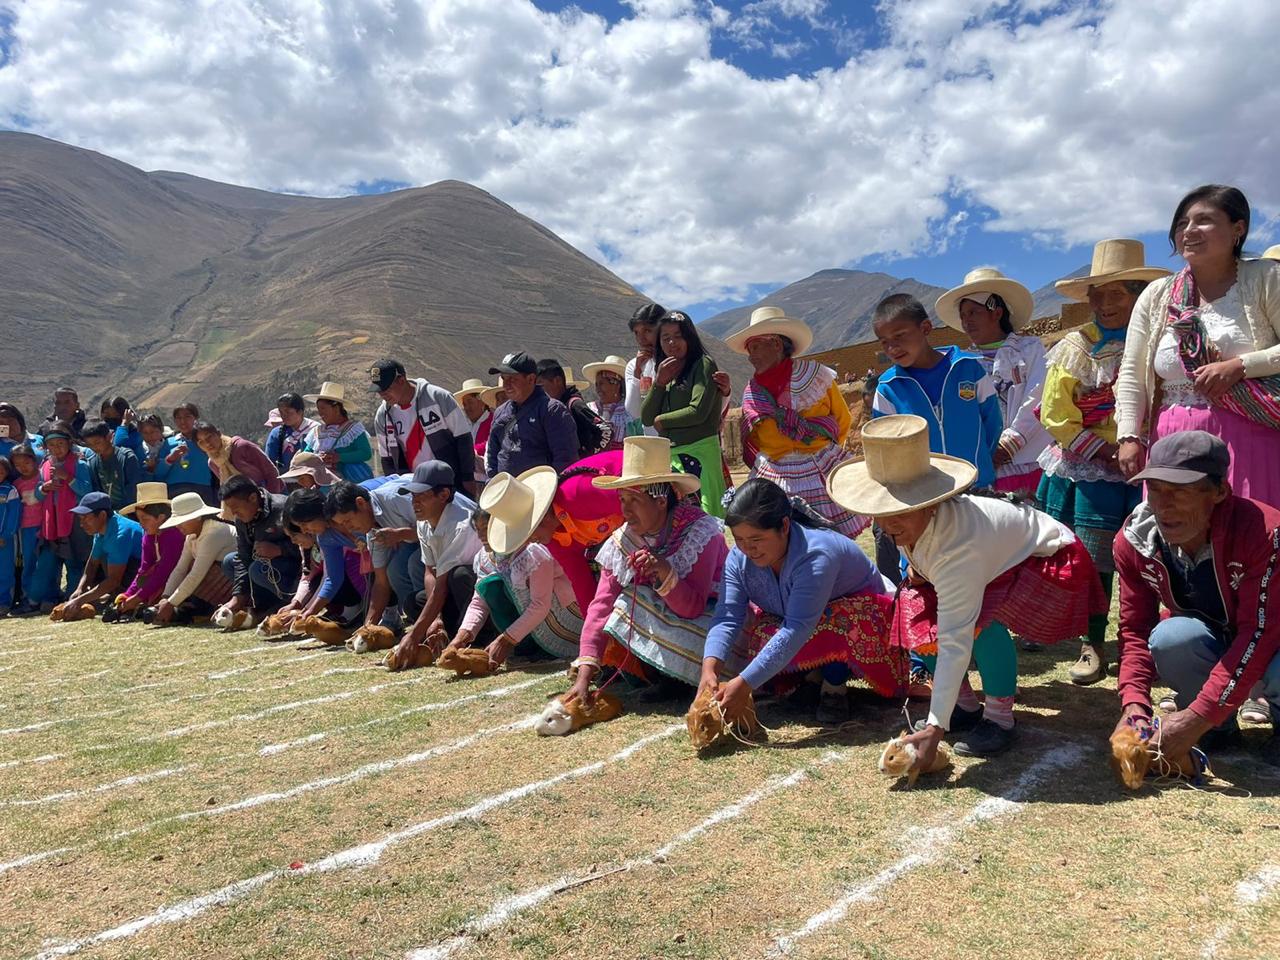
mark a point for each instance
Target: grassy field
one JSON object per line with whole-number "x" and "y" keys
{"x": 182, "y": 793}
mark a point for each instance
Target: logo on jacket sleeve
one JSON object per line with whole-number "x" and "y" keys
{"x": 968, "y": 390}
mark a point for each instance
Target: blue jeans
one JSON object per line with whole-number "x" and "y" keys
{"x": 272, "y": 583}
{"x": 50, "y": 566}
{"x": 8, "y": 572}
{"x": 1186, "y": 650}
{"x": 406, "y": 570}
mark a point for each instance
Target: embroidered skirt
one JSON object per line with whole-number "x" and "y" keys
{"x": 1255, "y": 449}
{"x": 702, "y": 458}
{"x": 805, "y": 475}
{"x": 1094, "y": 509}
{"x": 1044, "y": 599}
{"x": 854, "y": 631}
{"x": 643, "y": 627}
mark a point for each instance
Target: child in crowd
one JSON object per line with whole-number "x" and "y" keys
{"x": 10, "y": 522}
{"x": 63, "y": 546}
{"x": 26, "y": 480}
{"x": 156, "y": 448}
{"x": 116, "y": 471}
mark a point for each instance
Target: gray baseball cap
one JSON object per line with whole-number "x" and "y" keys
{"x": 1187, "y": 457}
{"x": 428, "y": 476}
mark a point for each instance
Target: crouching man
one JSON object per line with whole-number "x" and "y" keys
{"x": 1212, "y": 560}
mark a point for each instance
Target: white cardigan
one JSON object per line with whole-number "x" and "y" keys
{"x": 969, "y": 542}
{"x": 1259, "y": 286}
{"x": 199, "y": 553}
{"x": 1021, "y": 363}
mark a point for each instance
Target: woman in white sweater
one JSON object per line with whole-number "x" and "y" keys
{"x": 973, "y": 560}
{"x": 1203, "y": 347}
{"x": 197, "y": 585}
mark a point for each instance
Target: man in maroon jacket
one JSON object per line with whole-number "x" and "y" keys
{"x": 1213, "y": 561}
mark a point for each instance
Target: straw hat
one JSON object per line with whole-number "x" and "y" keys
{"x": 980, "y": 283}
{"x": 1113, "y": 260}
{"x": 647, "y": 460}
{"x": 148, "y": 493}
{"x": 334, "y": 392}
{"x": 516, "y": 505}
{"x": 899, "y": 473}
{"x": 610, "y": 364}
{"x": 570, "y": 382}
{"x": 766, "y": 321}
{"x": 490, "y": 396}
{"x": 308, "y": 464}
{"x": 188, "y": 506}
{"x": 1272, "y": 253}
{"x": 469, "y": 387}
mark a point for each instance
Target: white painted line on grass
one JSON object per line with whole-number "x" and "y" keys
{"x": 931, "y": 843}
{"x": 46, "y": 724}
{"x": 4, "y": 652}
{"x": 129, "y": 781}
{"x": 43, "y": 758}
{"x": 1249, "y": 893}
{"x": 512, "y": 906}
{"x": 358, "y": 856}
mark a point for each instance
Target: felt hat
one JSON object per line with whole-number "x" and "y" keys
{"x": 978, "y": 285}
{"x": 772, "y": 321}
{"x": 273, "y": 418}
{"x": 645, "y": 461}
{"x": 516, "y": 505}
{"x": 148, "y": 494}
{"x": 1113, "y": 260}
{"x": 333, "y": 392}
{"x": 471, "y": 386}
{"x": 188, "y": 506}
{"x": 308, "y": 464}
{"x": 898, "y": 474}
{"x": 1272, "y": 252}
{"x": 610, "y": 364}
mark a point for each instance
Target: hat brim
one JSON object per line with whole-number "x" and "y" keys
{"x": 797, "y": 331}
{"x": 176, "y": 520}
{"x": 133, "y": 508}
{"x": 313, "y": 397}
{"x": 508, "y": 538}
{"x": 325, "y": 479}
{"x": 852, "y": 486}
{"x": 684, "y": 482}
{"x": 1178, "y": 475}
{"x": 591, "y": 369}
{"x": 469, "y": 392}
{"x": 80, "y": 511}
{"x": 1077, "y": 288}
{"x": 1021, "y": 303}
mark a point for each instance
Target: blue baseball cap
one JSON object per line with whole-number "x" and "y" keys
{"x": 95, "y": 502}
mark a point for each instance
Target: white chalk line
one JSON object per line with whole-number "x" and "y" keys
{"x": 129, "y": 781}
{"x": 46, "y": 724}
{"x": 361, "y": 855}
{"x": 509, "y": 907}
{"x": 1250, "y": 892}
{"x": 43, "y": 758}
{"x": 931, "y": 843}
{"x": 53, "y": 646}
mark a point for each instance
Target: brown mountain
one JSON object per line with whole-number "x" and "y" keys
{"x": 166, "y": 287}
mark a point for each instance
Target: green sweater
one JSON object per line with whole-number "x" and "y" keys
{"x": 687, "y": 409}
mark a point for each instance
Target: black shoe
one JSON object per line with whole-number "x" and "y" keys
{"x": 1226, "y": 738}
{"x": 111, "y": 614}
{"x": 985, "y": 740}
{"x": 961, "y": 720}
{"x": 148, "y": 615}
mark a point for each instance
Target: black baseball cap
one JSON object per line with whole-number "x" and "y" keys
{"x": 516, "y": 363}
{"x": 383, "y": 374}
{"x": 1187, "y": 457}
{"x": 428, "y": 476}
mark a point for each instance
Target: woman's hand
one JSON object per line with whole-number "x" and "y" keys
{"x": 499, "y": 650}
{"x": 710, "y": 678}
{"x": 179, "y": 452}
{"x": 48, "y": 486}
{"x": 1132, "y": 457}
{"x": 733, "y": 697}
{"x": 581, "y": 689}
{"x": 926, "y": 744}
{"x": 668, "y": 370}
{"x": 650, "y": 568}
{"x": 1215, "y": 379}
{"x": 164, "y": 612}
{"x": 330, "y": 459}
{"x": 1000, "y": 457}
{"x": 721, "y": 379}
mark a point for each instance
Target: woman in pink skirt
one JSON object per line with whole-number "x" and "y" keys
{"x": 973, "y": 560}
{"x": 1203, "y": 348}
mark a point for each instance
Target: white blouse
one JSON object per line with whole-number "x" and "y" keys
{"x": 1225, "y": 326}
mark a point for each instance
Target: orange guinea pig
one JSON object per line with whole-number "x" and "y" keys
{"x": 561, "y": 718}
{"x": 708, "y": 723}
{"x": 898, "y": 759}
{"x": 465, "y": 661}
{"x": 71, "y": 612}
{"x": 401, "y": 658}
{"x": 371, "y": 638}
{"x": 323, "y": 629}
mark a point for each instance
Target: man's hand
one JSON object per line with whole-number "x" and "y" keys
{"x": 1180, "y": 731}
{"x": 1135, "y": 715}
{"x": 1132, "y": 457}
{"x": 926, "y": 744}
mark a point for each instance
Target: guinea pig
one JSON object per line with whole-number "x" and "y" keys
{"x": 400, "y": 658}
{"x": 1133, "y": 756}
{"x": 370, "y": 638}
{"x": 465, "y": 661}
{"x": 561, "y": 718}
{"x": 323, "y": 629}
{"x": 230, "y": 621}
{"x": 708, "y": 723}
{"x": 69, "y": 612}
{"x": 898, "y": 759}
{"x": 276, "y": 626}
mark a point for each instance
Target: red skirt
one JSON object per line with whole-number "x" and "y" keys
{"x": 853, "y": 630}
{"x": 1043, "y": 599}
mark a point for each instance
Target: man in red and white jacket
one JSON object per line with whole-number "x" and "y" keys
{"x": 1212, "y": 560}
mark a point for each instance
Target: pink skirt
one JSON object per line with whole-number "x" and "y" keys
{"x": 1255, "y": 449}
{"x": 1024, "y": 483}
{"x": 1044, "y": 599}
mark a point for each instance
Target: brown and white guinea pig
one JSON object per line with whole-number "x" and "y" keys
{"x": 65, "y": 612}
{"x": 898, "y": 759}
{"x": 561, "y": 718}
{"x": 708, "y": 723}
{"x": 323, "y": 629}
{"x": 399, "y": 658}
{"x": 1132, "y": 758}
{"x": 467, "y": 660}
{"x": 370, "y": 638}
{"x": 231, "y": 622}
{"x": 276, "y": 626}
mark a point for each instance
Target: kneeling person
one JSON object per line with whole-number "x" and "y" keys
{"x": 265, "y": 565}
{"x": 115, "y": 555}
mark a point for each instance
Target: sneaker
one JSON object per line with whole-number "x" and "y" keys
{"x": 1030, "y": 646}
{"x": 985, "y": 740}
{"x": 1090, "y": 668}
{"x": 833, "y": 705}
{"x": 961, "y": 720}
{"x": 1255, "y": 710}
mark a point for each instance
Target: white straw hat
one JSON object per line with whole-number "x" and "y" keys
{"x": 647, "y": 460}
{"x": 1113, "y": 260}
{"x": 469, "y": 387}
{"x": 772, "y": 321}
{"x": 188, "y": 506}
{"x": 490, "y": 396}
{"x": 1271, "y": 253}
{"x": 516, "y": 505}
{"x": 899, "y": 473}
{"x": 610, "y": 364}
{"x": 980, "y": 283}
{"x": 148, "y": 494}
{"x": 570, "y": 382}
{"x": 333, "y": 392}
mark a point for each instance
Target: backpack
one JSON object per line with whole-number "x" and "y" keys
{"x": 594, "y": 433}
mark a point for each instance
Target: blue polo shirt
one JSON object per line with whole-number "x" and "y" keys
{"x": 119, "y": 543}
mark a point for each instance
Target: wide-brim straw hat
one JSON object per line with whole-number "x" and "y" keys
{"x": 516, "y": 505}
{"x": 469, "y": 387}
{"x": 148, "y": 493}
{"x": 986, "y": 280}
{"x": 610, "y": 364}
{"x": 645, "y": 461}
{"x": 188, "y": 506}
{"x": 333, "y": 392}
{"x": 772, "y": 321}
{"x": 490, "y": 396}
{"x": 306, "y": 463}
{"x": 1272, "y": 252}
{"x": 569, "y": 381}
{"x": 1113, "y": 261}
{"x": 898, "y": 474}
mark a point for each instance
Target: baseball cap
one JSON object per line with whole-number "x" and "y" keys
{"x": 1186, "y": 457}
{"x": 516, "y": 363}
{"x": 383, "y": 374}
{"x": 428, "y": 476}
{"x": 95, "y": 502}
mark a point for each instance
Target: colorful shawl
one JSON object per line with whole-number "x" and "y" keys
{"x": 688, "y": 533}
{"x": 1257, "y": 398}
{"x": 807, "y": 384}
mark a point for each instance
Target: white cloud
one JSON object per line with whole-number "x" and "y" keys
{"x": 1071, "y": 121}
